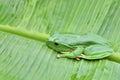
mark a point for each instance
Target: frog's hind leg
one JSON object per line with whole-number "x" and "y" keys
{"x": 96, "y": 52}
{"x": 93, "y": 57}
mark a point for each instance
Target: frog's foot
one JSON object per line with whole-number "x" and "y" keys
{"x": 77, "y": 58}
{"x": 58, "y": 56}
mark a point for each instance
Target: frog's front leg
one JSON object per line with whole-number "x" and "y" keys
{"x": 75, "y": 54}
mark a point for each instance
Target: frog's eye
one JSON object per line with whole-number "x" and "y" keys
{"x": 56, "y": 44}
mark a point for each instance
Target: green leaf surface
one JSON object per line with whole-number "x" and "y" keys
{"x": 26, "y": 59}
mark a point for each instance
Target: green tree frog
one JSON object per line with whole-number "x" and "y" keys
{"x": 87, "y": 46}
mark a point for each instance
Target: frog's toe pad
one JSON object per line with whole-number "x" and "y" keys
{"x": 77, "y": 58}
{"x": 58, "y": 55}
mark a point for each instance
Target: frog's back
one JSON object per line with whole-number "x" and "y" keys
{"x": 95, "y": 39}
{"x": 85, "y": 39}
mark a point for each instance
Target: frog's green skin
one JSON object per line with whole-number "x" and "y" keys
{"x": 88, "y": 46}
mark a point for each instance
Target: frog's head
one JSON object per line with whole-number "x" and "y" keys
{"x": 58, "y": 45}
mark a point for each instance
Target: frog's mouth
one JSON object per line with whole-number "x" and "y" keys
{"x": 64, "y": 51}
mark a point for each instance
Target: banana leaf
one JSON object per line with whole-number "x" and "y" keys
{"x": 26, "y": 59}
